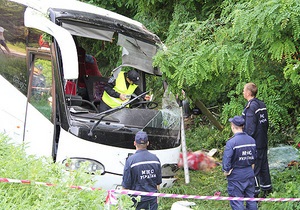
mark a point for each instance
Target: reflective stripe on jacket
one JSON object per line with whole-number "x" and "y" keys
{"x": 239, "y": 155}
{"x": 121, "y": 88}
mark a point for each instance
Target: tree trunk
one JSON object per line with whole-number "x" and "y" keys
{"x": 205, "y": 111}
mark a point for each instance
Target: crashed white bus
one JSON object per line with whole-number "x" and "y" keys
{"x": 43, "y": 103}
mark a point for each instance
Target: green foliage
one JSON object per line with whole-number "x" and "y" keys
{"x": 215, "y": 47}
{"x": 285, "y": 183}
{"x": 11, "y": 14}
{"x": 278, "y": 107}
{"x": 247, "y": 41}
{"x": 231, "y": 109}
{"x": 292, "y": 71}
{"x": 201, "y": 183}
{"x": 16, "y": 165}
{"x": 14, "y": 70}
{"x": 47, "y": 70}
{"x": 287, "y": 186}
{"x": 106, "y": 53}
{"x": 41, "y": 103}
{"x": 202, "y": 135}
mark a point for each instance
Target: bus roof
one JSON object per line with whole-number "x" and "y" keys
{"x": 43, "y": 7}
{"x": 62, "y": 19}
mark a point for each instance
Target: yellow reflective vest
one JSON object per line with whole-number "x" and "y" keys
{"x": 121, "y": 88}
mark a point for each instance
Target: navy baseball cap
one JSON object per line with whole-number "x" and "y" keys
{"x": 134, "y": 76}
{"x": 141, "y": 137}
{"x": 39, "y": 66}
{"x": 237, "y": 120}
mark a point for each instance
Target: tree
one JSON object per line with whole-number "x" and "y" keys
{"x": 215, "y": 47}
{"x": 248, "y": 41}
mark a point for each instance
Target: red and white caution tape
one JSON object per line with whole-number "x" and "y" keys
{"x": 164, "y": 195}
{"x": 219, "y": 198}
{"x": 43, "y": 183}
{"x": 111, "y": 199}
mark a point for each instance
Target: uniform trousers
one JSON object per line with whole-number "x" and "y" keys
{"x": 242, "y": 189}
{"x": 261, "y": 170}
{"x": 147, "y": 205}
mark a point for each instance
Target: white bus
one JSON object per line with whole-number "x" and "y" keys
{"x": 50, "y": 88}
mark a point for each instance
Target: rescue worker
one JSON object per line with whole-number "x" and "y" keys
{"x": 38, "y": 77}
{"x": 142, "y": 172}
{"x": 238, "y": 164}
{"x": 256, "y": 125}
{"x": 38, "y": 81}
{"x": 118, "y": 91}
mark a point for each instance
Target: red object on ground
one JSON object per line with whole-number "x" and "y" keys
{"x": 198, "y": 160}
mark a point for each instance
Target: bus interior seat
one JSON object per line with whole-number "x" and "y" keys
{"x": 81, "y": 65}
{"x": 70, "y": 88}
{"x": 91, "y": 66}
{"x": 95, "y": 87}
{"x": 87, "y": 67}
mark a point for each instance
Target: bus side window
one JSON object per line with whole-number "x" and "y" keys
{"x": 41, "y": 85}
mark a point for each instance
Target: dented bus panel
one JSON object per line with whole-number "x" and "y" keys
{"x": 52, "y": 87}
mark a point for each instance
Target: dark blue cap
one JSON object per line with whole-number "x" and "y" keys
{"x": 237, "y": 120}
{"x": 141, "y": 137}
{"x": 39, "y": 66}
{"x": 134, "y": 76}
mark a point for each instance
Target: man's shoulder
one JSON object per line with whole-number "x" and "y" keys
{"x": 142, "y": 155}
{"x": 259, "y": 103}
{"x": 254, "y": 102}
{"x": 150, "y": 156}
{"x": 141, "y": 152}
{"x": 150, "y": 153}
{"x": 238, "y": 136}
{"x": 231, "y": 141}
{"x": 250, "y": 138}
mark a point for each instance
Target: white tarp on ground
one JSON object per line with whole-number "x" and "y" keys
{"x": 280, "y": 156}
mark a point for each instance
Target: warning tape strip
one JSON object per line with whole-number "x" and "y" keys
{"x": 44, "y": 184}
{"x": 131, "y": 192}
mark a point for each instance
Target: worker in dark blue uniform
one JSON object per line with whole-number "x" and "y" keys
{"x": 256, "y": 125}
{"x": 238, "y": 164}
{"x": 142, "y": 172}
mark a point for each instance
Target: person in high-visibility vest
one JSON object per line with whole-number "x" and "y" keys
{"x": 118, "y": 91}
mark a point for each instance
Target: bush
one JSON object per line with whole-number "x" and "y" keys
{"x": 15, "y": 164}
{"x": 286, "y": 184}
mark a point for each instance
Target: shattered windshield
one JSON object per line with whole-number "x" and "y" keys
{"x": 167, "y": 121}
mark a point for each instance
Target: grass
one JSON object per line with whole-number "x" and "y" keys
{"x": 16, "y": 165}
{"x": 201, "y": 135}
{"x": 18, "y": 47}
{"x": 201, "y": 184}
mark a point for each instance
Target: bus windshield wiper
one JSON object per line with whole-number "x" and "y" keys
{"x": 113, "y": 110}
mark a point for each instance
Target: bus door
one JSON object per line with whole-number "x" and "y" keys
{"x": 38, "y": 123}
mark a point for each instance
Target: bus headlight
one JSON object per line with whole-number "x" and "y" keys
{"x": 169, "y": 170}
{"x": 90, "y": 166}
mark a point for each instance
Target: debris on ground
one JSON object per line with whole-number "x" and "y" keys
{"x": 280, "y": 157}
{"x": 293, "y": 163}
{"x": 199, "y": 160}
{"x": 182, "y": 205}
